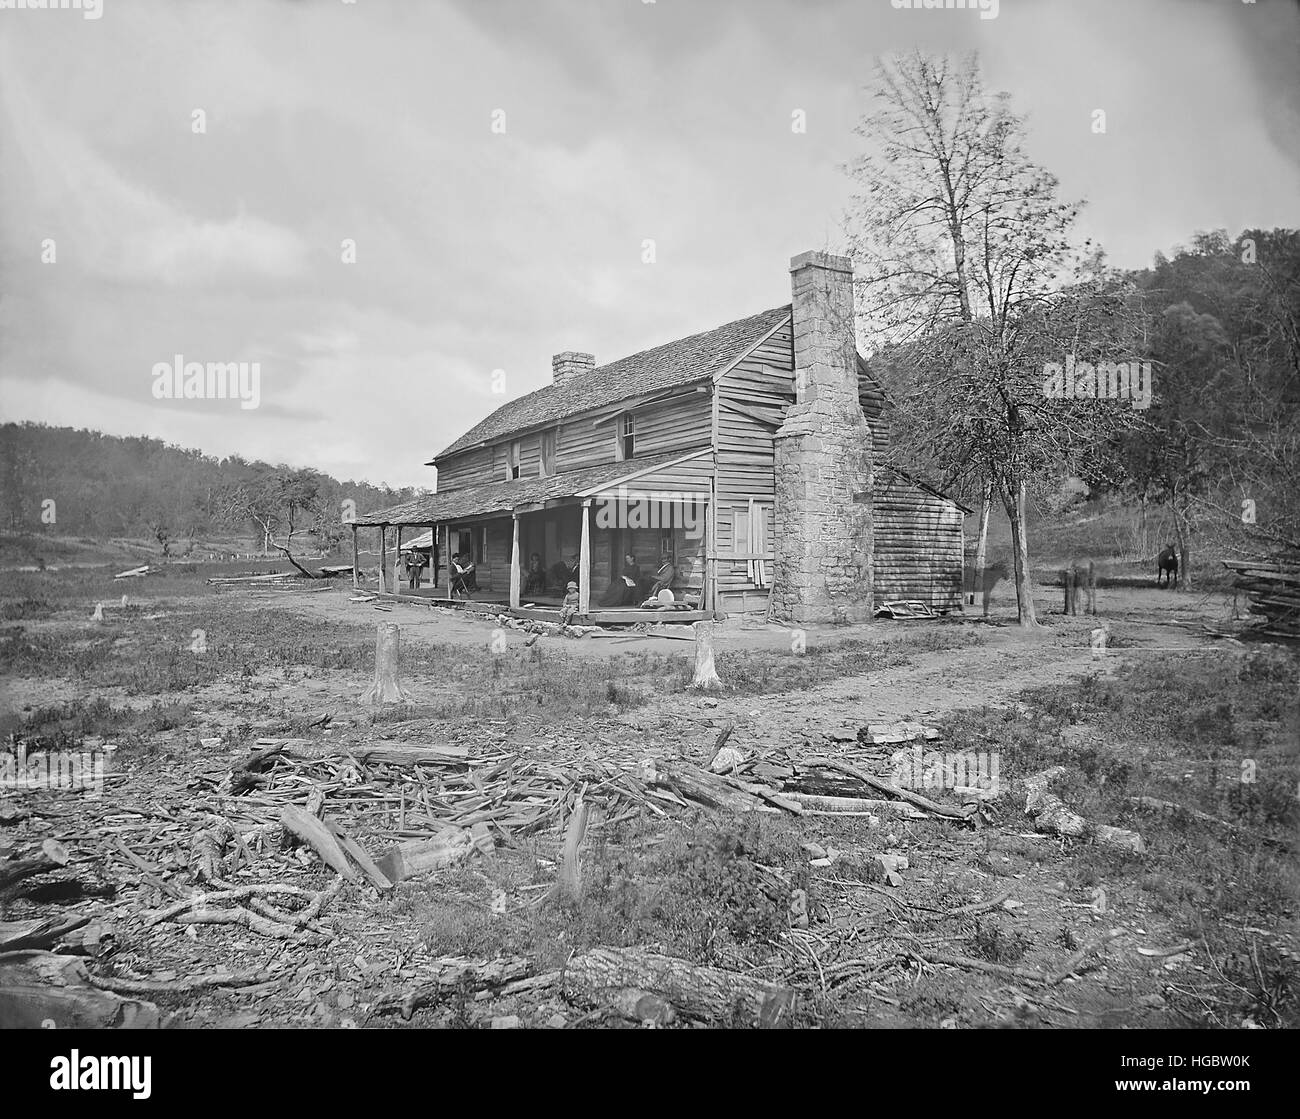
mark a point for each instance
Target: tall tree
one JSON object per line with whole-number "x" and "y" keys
{"x": 963, "y": 252}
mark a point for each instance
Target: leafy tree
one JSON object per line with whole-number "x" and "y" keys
{"x": 964, "y": 252}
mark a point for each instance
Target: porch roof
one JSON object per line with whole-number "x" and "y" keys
{"x": 502, "y": 498}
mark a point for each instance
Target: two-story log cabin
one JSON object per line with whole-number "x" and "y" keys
{"x": 743, "y": 456}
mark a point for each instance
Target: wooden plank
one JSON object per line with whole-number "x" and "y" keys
{"x": 353, "y": 848}
{"x": 317, "y": 836}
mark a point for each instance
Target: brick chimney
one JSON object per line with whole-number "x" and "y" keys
{"x": 570, "y": 364}
{"x": 822, "y": 570}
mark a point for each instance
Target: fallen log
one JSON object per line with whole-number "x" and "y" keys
{"x": 456, "y": 975}
{"x": 379, "y": 753}
{"x": 208, "y": 849}
{"x": 53, "y": 855}
{"x": 600, "y": 976}
{"x": 396, "y": 753}
{"x": 40, "y": 988}
{"x": 778, "y": 800}
{"x": 643, "y": 1006}
{"x": 705, "y": 788}
{"x": 912, "y": 798}
{"x": 180, "y": 986}
{"x": 1051, "y": 815}
{"x": 878, "y": 734}
{"x": 828, "y": 805}
{"x": 405, "y": 860}
{"x": 37, "y": 933}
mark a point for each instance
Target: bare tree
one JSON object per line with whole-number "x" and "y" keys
{"x": 963, "y": 252}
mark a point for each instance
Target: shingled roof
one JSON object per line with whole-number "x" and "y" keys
{"x": 669, "y": 366}
{"x": 502, "y": 497}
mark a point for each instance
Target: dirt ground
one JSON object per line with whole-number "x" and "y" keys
{"x": 1029, "y": 884}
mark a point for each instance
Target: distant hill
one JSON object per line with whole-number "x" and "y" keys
{"x": 104, "y": 486}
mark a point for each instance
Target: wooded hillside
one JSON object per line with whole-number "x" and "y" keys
{"x": 107, "y": 485}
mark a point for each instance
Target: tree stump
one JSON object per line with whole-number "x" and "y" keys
{"x": 570, "y": 881}
{"x": 387, "y": 687}
{"x": 706, "y": 675}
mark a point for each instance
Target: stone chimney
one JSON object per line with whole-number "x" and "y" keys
{"x": 570, "y": 364}
{"x": 822, "y": 571}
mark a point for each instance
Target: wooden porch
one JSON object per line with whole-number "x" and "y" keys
{"x": 538, "y": 612}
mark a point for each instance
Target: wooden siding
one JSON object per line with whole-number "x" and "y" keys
{"x": 753, "y": 398}
{"x": 469, "y": 469}
{"x": 918, "y": 544}
{"x": 666, "y": 425}
{"x": 874, "y": 406}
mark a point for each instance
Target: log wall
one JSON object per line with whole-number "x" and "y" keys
{"x": 918, "y": 538}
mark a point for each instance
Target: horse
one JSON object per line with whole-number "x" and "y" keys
{"x": 992, "y": 575}
{"x": 1167, "y": 563}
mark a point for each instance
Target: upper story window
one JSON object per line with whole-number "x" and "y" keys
{"x": 625, "y": 445}
{"x": 546, "y": 461}
{"x": 512, "y": 463}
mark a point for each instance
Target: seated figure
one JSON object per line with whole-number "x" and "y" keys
{"x": 535, "y": 580}
{"x": 464, "y": 575}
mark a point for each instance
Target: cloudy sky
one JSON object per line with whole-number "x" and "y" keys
{"x": 481, "y": 250}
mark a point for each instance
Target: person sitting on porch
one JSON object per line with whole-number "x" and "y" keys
{"x": 536, "y": 580}
{"x": 562, "y": 573}
{"x": 464, "y": 577}
{"x": 625, "y": 589}
{"x": 663, "y": 578}
{"x": 571, "y": 603}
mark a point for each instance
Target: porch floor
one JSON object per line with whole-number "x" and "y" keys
{"x": 546, "y": 608}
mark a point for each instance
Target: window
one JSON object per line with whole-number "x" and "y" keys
{"x": 749, "y": 540}
{"x": 626, "y": 439}
{"x": 512, "y": 463}
{"x": 468, "y": 542}
{"x": 547, "y": 465}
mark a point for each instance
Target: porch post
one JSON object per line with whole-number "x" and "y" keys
{"x": 397, "y": 563}
{"x": 514, "y": 564}
{"x": 383, "y": 558}
{"x": 446, "y": 555}
{"x": 709, "y": 591}
{"x": 584, "y": 561}
{"x": 356, "y": 575}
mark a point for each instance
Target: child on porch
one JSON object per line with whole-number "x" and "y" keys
{"x": 570, "y": 607}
